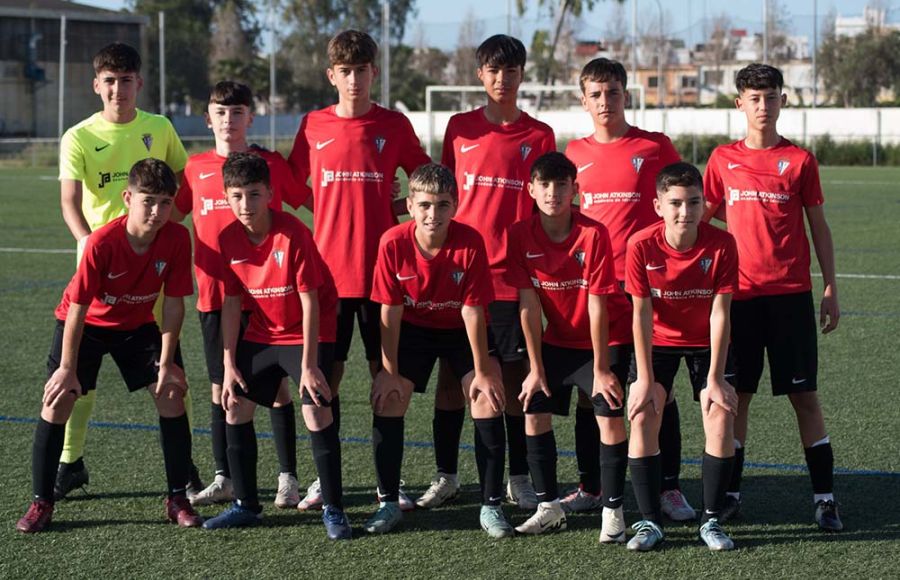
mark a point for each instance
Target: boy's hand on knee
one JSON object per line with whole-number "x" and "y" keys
{"x": 533, "y": 384}
{"x": 607, "y": 385}
{"x": 387, "y": 386}
{"x": 645, "y": 396}
{"x": 491, "y": 386}
{"x": 169, "y": 374}
{"x": 313, "y": 382}
{"x": 60, "y": 383}
{"x": 230, "y": 398}
{"x": 719, "y": 393}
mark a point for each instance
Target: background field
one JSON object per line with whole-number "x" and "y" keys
{"x": 118, "y": 529}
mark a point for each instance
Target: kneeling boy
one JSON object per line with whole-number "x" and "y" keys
{"x": 433, "y": 282}
{"x": 107, "y": 308}
{"x": 269, "y": 258}
{"x": 681, "y": 273}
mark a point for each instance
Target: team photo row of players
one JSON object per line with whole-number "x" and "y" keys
{"x": 518, "y": 294}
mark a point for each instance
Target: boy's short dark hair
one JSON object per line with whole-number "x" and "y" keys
{"x": 152, "y": 176}
{"x": 231, "y": 93}
{"x": 553, "y": 166}
{"x": 433, "y": 178}
{"x": 242, "y": 169}
{"x": 603, "y": 70}
{"x": 501, "y": 51}
{"x": 352, "y": 47}
{"x": 758, "y": 77}
{"x": 679, "y": 174}
{"x": 117, "y": 57}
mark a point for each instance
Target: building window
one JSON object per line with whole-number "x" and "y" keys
{"x": 652, "y": 82}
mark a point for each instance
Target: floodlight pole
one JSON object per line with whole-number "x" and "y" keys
{"x": 634, "y": 58}
{"x": 386, "y": 54}
{"x": 272, "y": 92}
{"x": 62, "y": 76}
{"x": 162, "y": 62}
{"x": 815, "y": 71}
{"x": 765, "y": 46}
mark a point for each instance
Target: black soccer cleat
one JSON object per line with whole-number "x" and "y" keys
{"x": 70, "y": 476}
{"x": 827, "y": 516}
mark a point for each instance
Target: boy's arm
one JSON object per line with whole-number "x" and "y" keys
{"x": 642, "y": 392}
{"x": 829, "y": 311}
{"x": 486, "y": 381}
{"x": 388, "y": 382}
{"x": 719, "y": 391}
{"x": 605, "y": 382}
{"x": 172, "y": 319}
{"x": 231, "y": 323}
{"x": 311, "y": 378}
{"x": 532, "y": 323}
{"x": 65, "y": 378}
{"x": 71, "y": 193}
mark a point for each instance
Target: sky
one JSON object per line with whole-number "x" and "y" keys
{"x": 439, "y": 21}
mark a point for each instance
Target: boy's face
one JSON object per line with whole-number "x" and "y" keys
{"x": 680, "y": 207}
{"x": 118, "y": 90}
{"x": 501, "y": 83}
{"x": 605, "y": 101}
{"x": 353, "y": 81}
{"x": 250, "y": 203}
{"x": 761, "y": 106}
{"x": 553, "y": 197}
{"x": 432, "y": 211}
{"x": 147, "y": 212}
{"x": 229, "y": 123}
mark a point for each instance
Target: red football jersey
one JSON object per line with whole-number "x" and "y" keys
{"x": 119, "y": 285}
{"x": 617, "y": 182}
{"x": 563, "y": 274}
{"x": 433, "y": 291}
{"x": 270, "y": 276}
{"x": 765, "y": 192}
{"x": 352, "y": 163}
{"x": 492, "y": 165}
{"x": 202, "y": 194}
{"x": 682, "y": 285}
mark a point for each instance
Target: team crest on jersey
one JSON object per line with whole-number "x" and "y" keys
{"x": 535, "y": 282}
{"x": 279, "y": 257}
{"x": 379, "y": 143}
{"x": 408, "y": 301}
{"x": 636, "y": 162}
{"x": 457, "y": 276}
{"x": 782, "y": 166}
{"x": 579, "y": 255}
{"x": 160, "y": 265}
{"x": 525, "y": 150}
{"x": 705, "y": 263}
{"x": 147, "y": 138}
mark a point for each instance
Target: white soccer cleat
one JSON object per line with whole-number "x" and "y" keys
{"x": 288, "y": 495}
{"x": 313, "y": 499}
{"x": 219, "y": 491}
{"x": 612, "y": 531}
{"x": 520, "y": 492}
{"x": 548, "y": 518}
{"x": 406, "y": 504}
{"x": 442, "y": 490}
{"x": 676, "y": 506}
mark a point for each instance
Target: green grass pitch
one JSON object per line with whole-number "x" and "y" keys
{"x": 118, "y": 529}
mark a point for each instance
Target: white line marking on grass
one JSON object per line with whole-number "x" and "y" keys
{"x": 870, "y": 276}
{"x": 844, "y": 182}
{"x": 35, "y": 251}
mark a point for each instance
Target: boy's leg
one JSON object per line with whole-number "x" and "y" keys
{"x": 674, "y": 504}
{"x": 284, "y": 434}
{"x": 447, "y": 425}
{"x": 587, "y": 446}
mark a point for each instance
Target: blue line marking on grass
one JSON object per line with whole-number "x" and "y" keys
{"x": 464, "y": 447}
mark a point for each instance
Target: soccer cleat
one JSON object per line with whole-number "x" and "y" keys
{"x": 494, "y": 522}
{"x": 649, "y": 535}
{"x": 442, "y": 490}
{"x": 179, "y": 511}
{"x": 520, "y": 492}
{"x": 313, "y": 499}
{"x": 194, "y": 484}
{"x": 675, "y": 506}
{"x": 549, "y": 517}
{"x": 70, "y": 476}
{"x": 385, "y": 518}
{"x": 38, "y": 517}
{"x": 288, "y": 495}
{"x": 337, "y": 526}
{"x": 715, "y": 537}
{"x": 236, "y": 516}
{"x": 612, "y": 530}
{"x": 827, "y": 516}
{"x": 731, "y": 509}
{"x": 578, "y": 501}
{"x": 219, "y": 491}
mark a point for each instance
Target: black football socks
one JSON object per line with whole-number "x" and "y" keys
{"x": 175, "y": 436}
{"x": 515, "y": 438}
{"x": 490, "y": 451}
{"x": 715, "y": 475}
{"x": 387, "y": 439}
{"x": 542, "y": 463}
{"x": 613, "y": 463}
{"x": 645, "y": 479}
{"x": 446, "y": 428}
{"x": 242, "y": 457}
{"x": 219, "y": 443}
{"x": 326, "y": 451}
{"x": 670, "y": 446}
{"x": 284, "y": 432}
{"x": 587, "y": 449}
{"x": 45, "y": 453}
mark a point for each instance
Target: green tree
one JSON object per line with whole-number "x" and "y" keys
{"x": 233, "y": 45}
{"x": 854, "y": 70}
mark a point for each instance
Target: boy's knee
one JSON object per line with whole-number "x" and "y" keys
{"x": 805, "y": 403}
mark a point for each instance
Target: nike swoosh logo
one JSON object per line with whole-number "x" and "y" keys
{"x": 615, "y": 499}
{"x": 467, "y": 148}
{"x": 323, "y": 144}
{"x": 649, "y": 267}
{"x": 709, "y": 513}
{"x": 531, "y": 256}
{"x": 234, "y": 261}
{"x": 112, "y": 276}
{"x": 206, "y": 175}
{"x": 101, "y": 148}
{"x": 495, "y": 499}
{"x": 797, "y": 381}
{"x": 405, "y": 278}
{"x": 584, "y": 167}
{"x": 733, "y": 165}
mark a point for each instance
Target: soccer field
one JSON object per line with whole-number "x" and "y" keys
{"x": 118, "y": 528}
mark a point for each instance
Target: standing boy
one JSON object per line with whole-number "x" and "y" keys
{"x": 490, "y": 151}
{"x": 765, "y": 184}
{"x": 95, "y": 157}
{"x": 107, "y": 308}
{"x": 433, "y": 282}
{"x": 617, "y": 168}
{"x": 681, "y": 274}
{"x": 270, "y": 260}
{"x": 351, "y": 152}
{"x": 202, "y": 194}
{"x": 562, "y": 263}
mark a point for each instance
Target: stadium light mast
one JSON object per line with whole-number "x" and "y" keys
{"x": 634, "y": 47}
{"x": 162, "y": 62}
{"x": 386, "y": 54}
{"x": 62, "y": 76}
{"x": 272, "y": 92}
{"x": 765, "y": 46}
{"x": 815, "y": 71}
